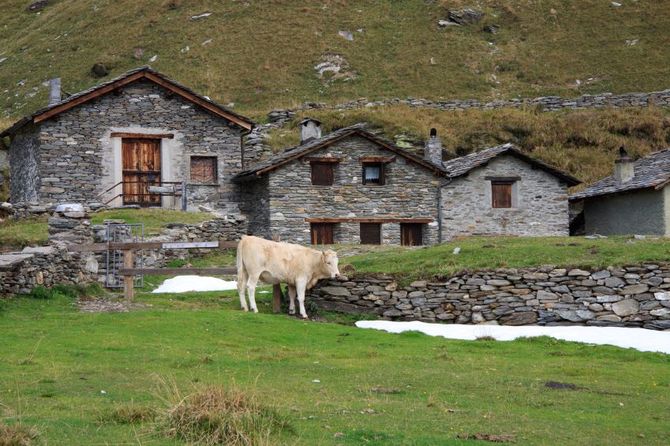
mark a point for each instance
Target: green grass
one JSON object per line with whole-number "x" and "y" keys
{"x": 154, "y": 219}
{"x": 584, "y": 143}
{"x": 510, "y": 252}
{"x": 25, "y": 232}
{"x": 262, "y": 54}
{"x": 100, "y": 378}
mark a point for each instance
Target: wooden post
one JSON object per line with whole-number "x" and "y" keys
{"x": 128, "y": 280}
{"x": 276, "y": 298}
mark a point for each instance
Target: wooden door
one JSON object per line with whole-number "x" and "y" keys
{"x": 141, "y": 160}
{"x": 411, "y": 234}
{"x": 371, "y": 233}
{"x": 322, "y": 233}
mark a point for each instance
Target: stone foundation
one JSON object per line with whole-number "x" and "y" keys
{"x": 632, "y": 296}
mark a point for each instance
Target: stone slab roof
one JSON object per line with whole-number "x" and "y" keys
{"x": 652, "y": 171}
{"x": 458, "y": 167}
{"x": 137, "y": 74}
{"x": 313, "y": 145}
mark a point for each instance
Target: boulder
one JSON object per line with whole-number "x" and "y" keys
{"x": 626, "y": 307}
{"x": 335, "y": 291}
{"x": 99, "y": 70}
{"x": 465, "y": 16}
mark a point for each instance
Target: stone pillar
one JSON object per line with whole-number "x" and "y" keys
{"x": 69, "y": 225}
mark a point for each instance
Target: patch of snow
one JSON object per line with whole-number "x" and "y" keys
{"x": 638, "y": 338}
{"x": 201, "y": 16}
{"x": 154, "y": 58}
{"x": 185, "y": 284}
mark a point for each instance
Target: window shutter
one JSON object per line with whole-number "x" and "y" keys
{"x": 322, "y": 174}
{"x": 322, "y": 233}
{"x": 411, "y": 234}
{"x": 371, "y": 234}
{"x": 501, "y": 194}
{"x": 203, "y": 169}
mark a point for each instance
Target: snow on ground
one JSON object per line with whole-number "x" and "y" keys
{"x": 184, "y": 284}
{"x": 637, "y": 338}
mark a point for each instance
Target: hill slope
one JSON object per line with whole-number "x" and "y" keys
{"x": 260, "y": 55}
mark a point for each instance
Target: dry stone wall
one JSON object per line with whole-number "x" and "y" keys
{"x": 631, "y": 296}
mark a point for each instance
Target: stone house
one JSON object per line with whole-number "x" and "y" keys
{"x": 126, "y": 141}
{"x": 502, "y": 191}
{"x": 352, "y": 187}
{"x": 634, "y": 200}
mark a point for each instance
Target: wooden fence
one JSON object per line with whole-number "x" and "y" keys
{"x": 129, "y": 271}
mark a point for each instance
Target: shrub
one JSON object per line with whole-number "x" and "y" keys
{"x": 16, "y": 435}
{"x": 217, "y": 416}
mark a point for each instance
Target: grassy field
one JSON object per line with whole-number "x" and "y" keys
{"x": 97, "y": 379}
{"x": 510, "y": 252}
{"x": 583, "y": 142}
{"x": 260, "y": 55}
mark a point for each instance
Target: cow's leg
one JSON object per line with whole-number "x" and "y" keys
{"x": 291, "y": 298}
{"x": 251, "y": 288}
{"x": 242, "y": 278}
{"x": 301, "y": 287}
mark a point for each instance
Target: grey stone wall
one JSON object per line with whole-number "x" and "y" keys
{"x": 634, "y": 296}
{"x": 24, "y": 165}
{"x": 543, "y": 103}
{"x": 539, "y": 205}
{"x": 78, "y": 158}
{"x": 255, "y": 204}
{"x": 639, "y": 212}
{"x": 410, "y": 192}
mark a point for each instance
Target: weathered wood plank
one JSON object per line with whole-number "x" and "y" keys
{"x": 128, "y": 279}
{"x": 142, "y": 135}
{"x": 223, "y": 271}
{"x": 276, "y": 298}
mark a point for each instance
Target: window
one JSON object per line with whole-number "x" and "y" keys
{"x": 371, "y": 234}
{"x": 373, "y": 173}
{"x": 203, "y": 170}
{"x": 322, "y": 174}
{"x": 322, "y": 233}
{"x": 501, "y": 193}
{"x": 411, "y": 234}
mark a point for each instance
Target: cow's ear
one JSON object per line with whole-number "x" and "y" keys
{"x": 323, "y": 255}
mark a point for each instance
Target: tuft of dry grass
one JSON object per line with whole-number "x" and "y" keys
{"x": 17, "y": 435}
{"x": 582, "y": 142}
{"x": 218, "y": 416}
{"x": 131, "y": 413}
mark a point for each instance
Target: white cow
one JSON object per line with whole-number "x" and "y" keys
{"x": 276, "y": 262}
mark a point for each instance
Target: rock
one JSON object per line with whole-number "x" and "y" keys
{"x": 336, "y": 291}
{"x": 477, "y": 318}
{"x": 69, "y": 207}
{"x": 522, "y": 318}
{"x": 536, "y": 276}
{"x": 446, "y": 23}
{"x": 392, "y": 313}
{"x": 9, "y": 261}
{"x": 201, "y": 16}
{"x": 334, "y": 67}
{"x": 99, "y": 70}
{"x": 347, "y": 35}
{"x": 585, "y": 314}
{"x": 491, "y": 29}
{"x": 663, "y": 313}
{"x": 608, "y": 298}
{"x": 415, "y": 294}
{"x": 41, "y": 250}
{"x": 578, "y": 272}
{"x": 498, "y": 282}
{"x": 658, "y": 325}
{"x": 465, "y": 16}
{"x": 604, "y": 274}
{"x": 38, "y": 5}
{"x": 569, "y": 315}
{"x": 635, "y": 289}
{"x": 662, "y": 296}
{"x": 418, "y": 284}
{"x": 609, "y": 318}
{"x": 596, "y": 307}
{"x": 614, "y": 282}
{"x": 626, "y": 307}
{"x": 546, "y": 295}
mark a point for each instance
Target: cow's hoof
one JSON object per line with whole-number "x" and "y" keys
{"x": 255, "y": 310}
{"x": 245, "y": 310}
{"x": 304, "y": 316}
{"x": 291, "y": 312}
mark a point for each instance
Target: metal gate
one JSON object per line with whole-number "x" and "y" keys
{"x": 126, "y": 233}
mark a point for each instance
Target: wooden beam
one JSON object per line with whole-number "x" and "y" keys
{"x": 324, "y": 159}
{"x": 142, "y": 135}
{"x": 128, "y": 279}
{"x": 369, "y": 220}
{"x": 87, "y": 97}
{"x": 201, "y": 102}
{"x": 276, "y": 298}
{"x": 120, "y": 246}
{"x": 223, "y": 271}
{"x": 377, "y": 159}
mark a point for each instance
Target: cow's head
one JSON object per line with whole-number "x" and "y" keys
{"x": 330, "y": 261}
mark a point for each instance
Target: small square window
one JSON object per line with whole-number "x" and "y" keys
{"x": 373, "y": 173}
{"x": 501, "y": 194}
{"x": 371, "y": 233}
{"x": 203, "y": 169}
{"x": 322, "y": 174}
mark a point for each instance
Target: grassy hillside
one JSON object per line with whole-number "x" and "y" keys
{"x": 113, "y": 379}
{"x": 582, "y": 142}
{"x": 262, "y": 54}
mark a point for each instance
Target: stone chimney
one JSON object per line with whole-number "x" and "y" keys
{"x": 624, "y": 169}
{"x": 433, "y": 149}
{"x": 309, "y": 129}
{"x": 54, "y": 91}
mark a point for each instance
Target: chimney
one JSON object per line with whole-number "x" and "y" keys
{"x": 54, "y": 91}
{"x": 624, "y": 169}
{"x": 309, "y": 129}
{"x": 433, "y": 149}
